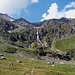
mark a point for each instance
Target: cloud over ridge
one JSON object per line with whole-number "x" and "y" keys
{"x": 53, "y": 12}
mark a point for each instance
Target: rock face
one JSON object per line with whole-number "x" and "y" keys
{"x": 7, "y": 17}
{"x": 1, "y": 54}
{"x": 23, "y": 22}
{"x": 22, "y": 34}
{"x": 49, "y": 29}
{"x": 6, "y": 25}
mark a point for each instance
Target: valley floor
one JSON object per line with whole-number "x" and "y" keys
{"x": 21, "y": 66}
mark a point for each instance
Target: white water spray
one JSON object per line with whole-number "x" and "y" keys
{"x": 38, "y": 39}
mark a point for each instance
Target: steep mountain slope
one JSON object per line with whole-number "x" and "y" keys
{"x": 65, "y": 44}
{"x": 21, "y": 34}
{"x": 55, "y": 28}
{"x": 6, "y": 25}
{"x": 23, "y": 22}
{"x": 7, "y": 17}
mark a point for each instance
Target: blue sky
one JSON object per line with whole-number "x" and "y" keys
{"x": 38, "y": 10}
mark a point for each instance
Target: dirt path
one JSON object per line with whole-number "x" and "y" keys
{"x": 32, "y": 72}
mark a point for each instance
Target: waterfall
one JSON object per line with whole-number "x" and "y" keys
{"x": 38, "y": 39}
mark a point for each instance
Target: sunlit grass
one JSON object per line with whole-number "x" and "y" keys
{"x": 10, "y": 66}
{"x": 65, "y": 44}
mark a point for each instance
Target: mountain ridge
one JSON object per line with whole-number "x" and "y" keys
{"x": 7, "y": 17}
{"x": 23, "y": 34}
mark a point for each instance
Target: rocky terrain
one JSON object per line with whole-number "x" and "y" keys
{"x": 19, "y": 37}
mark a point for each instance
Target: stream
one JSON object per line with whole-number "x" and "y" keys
{"x": 38, "y": 39}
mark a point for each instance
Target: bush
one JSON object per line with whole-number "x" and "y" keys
{"x": 10, "y": 50}
{"x": 39, "y": 52}
{"x": 35, "y": 44}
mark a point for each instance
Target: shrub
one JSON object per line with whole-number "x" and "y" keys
{"x": 10, "y": 49}
{"x": 35, "y": 44}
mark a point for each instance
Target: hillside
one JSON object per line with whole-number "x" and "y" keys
{"x": 21, "y": 35}
{"x": 41, "y": 48}
{"x": 23, "y": 22}
{"x": 65, "y": 44}
{"x": 5, "y": 16}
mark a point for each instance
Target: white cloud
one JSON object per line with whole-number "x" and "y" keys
{"x": 34, "y": 1}
{"x": 53, "y": 12}
{"x": 14, "y": 6}
{"x": 70, "y": 13}
{"x": 72, "y": 4}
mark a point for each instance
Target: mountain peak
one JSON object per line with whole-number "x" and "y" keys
{"x": 23, "y": 22}
{"x": 64, "y": 19}
{"x": 21, "y": 19}
{"x": 7, "y": 17}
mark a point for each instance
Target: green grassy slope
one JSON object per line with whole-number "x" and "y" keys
{"x": 10, "y": 66}
{"x": 65, "y": 44}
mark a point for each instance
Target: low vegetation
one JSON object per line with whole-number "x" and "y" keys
{"x": 65, "y": 44}
{"x": 10, "y": 49}
{"x": 11, "y": 66}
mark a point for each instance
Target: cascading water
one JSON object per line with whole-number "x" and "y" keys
{"x": 38, "y": 39}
